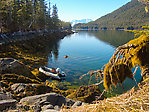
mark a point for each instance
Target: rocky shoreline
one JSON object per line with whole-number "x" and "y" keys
{"x": 45, "y": 102}
{"x": 20, "y": 90}
{"x": 20, "y": 36}
{"x": 24, "y": 88}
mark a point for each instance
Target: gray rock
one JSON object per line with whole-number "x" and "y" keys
{"x": 18, "y": 87}
{"x": 76, "y": 104}
{"x": 31, "y": 100}
{"x": 45, "y": 107}
{"x": 50, "y": 110}
{"x": 4, "y": 104}
{"x": 4, "y": 96}
{"x": 10, "y": 65}
{"x": 36, "y": 108}
{"x": 44, "y": 103}
{"x": 69, "y": 102}
{"x": 53, "y": 99}
{"x": 56, "y": 99}
{"x": 56, "y": 108}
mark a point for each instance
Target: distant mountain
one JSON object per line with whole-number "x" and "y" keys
{"x": 132, "y": 15}
{"x": 80, "y": 21}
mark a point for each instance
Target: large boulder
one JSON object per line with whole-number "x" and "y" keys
{"x": 10, "y": 65}
{"x": 21, "y": 90}
{"x": 52, "y": 100}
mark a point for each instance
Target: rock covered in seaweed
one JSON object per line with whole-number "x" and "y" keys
{"x": 86, "y": 94}
{"x": 10, "y": 65}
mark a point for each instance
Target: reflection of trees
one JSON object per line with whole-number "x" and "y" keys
{"x": 55, "y": 51}
{"x": 52, "y": 48}
{"x": 115, "y": 38}
{"x": 40, "y": 47}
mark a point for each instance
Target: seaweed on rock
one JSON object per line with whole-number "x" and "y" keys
{"x": 132, "y": 54}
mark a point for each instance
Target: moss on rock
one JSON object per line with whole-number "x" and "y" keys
{"x": 86, "y": 94}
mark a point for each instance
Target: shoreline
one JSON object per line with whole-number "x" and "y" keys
{"x": 19, "y": 36}
{"x": 25, "y": 81}
{"x": 29, "y": 60}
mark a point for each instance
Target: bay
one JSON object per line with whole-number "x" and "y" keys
{"x": 89, "y": 50}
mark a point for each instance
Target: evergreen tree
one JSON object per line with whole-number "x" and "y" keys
{"x": 55, "y": 19}
{"x": 48, "y": 18}
{"x": 25, "y": 15}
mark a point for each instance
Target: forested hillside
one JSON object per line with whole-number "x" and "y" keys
{"x": 132, "y": 15}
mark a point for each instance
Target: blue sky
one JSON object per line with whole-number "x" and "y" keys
{"x": 69, "y": 10}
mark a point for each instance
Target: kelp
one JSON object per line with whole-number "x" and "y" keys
{"x": 116, "y": 74}
{"x": 132, "y": 54}
{"x": 86, "y": 94}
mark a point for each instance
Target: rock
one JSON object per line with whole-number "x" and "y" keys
{"x": 13, "y": 110}
{"x": 76, "y": 104}
{"x": 56, "y": 99}
{"x": 50, "y": 110}
{"x": 22, "y": 90}
{"x": 69, "y": 102}
{"x": 14, "y": 78}
{"x": 4, "y": 104}
{"x": 6, "y": 100}
{"x": 53, "y": 99}
{"x": 56, "y": 108}
{"x": 36, "y": 108}
{"x": 18, "y": 87}
{"x": 44, "y": 103}
{"x": 47, "y": 107}
{"x": 31, "y": 100}
{"x": 49, "y": 97}
{"x": 10, "y": 65}
{"x": 4, "y": 96}
{"x": 86, "y": 94}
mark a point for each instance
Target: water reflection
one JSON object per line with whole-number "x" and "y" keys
{"x": 87, "y": 50}
{"x": 114, "y": 38}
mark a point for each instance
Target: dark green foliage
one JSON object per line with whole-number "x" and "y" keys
{"x": 26, "y": 15}
{"x": 130, "y": 15}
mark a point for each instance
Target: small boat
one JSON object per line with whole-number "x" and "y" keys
{"x": 51, "y": 72}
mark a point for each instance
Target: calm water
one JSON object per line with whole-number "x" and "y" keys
{"x": 88, "y": 50}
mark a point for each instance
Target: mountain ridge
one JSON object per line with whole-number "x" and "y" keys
{"x": 131, "y": 15}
